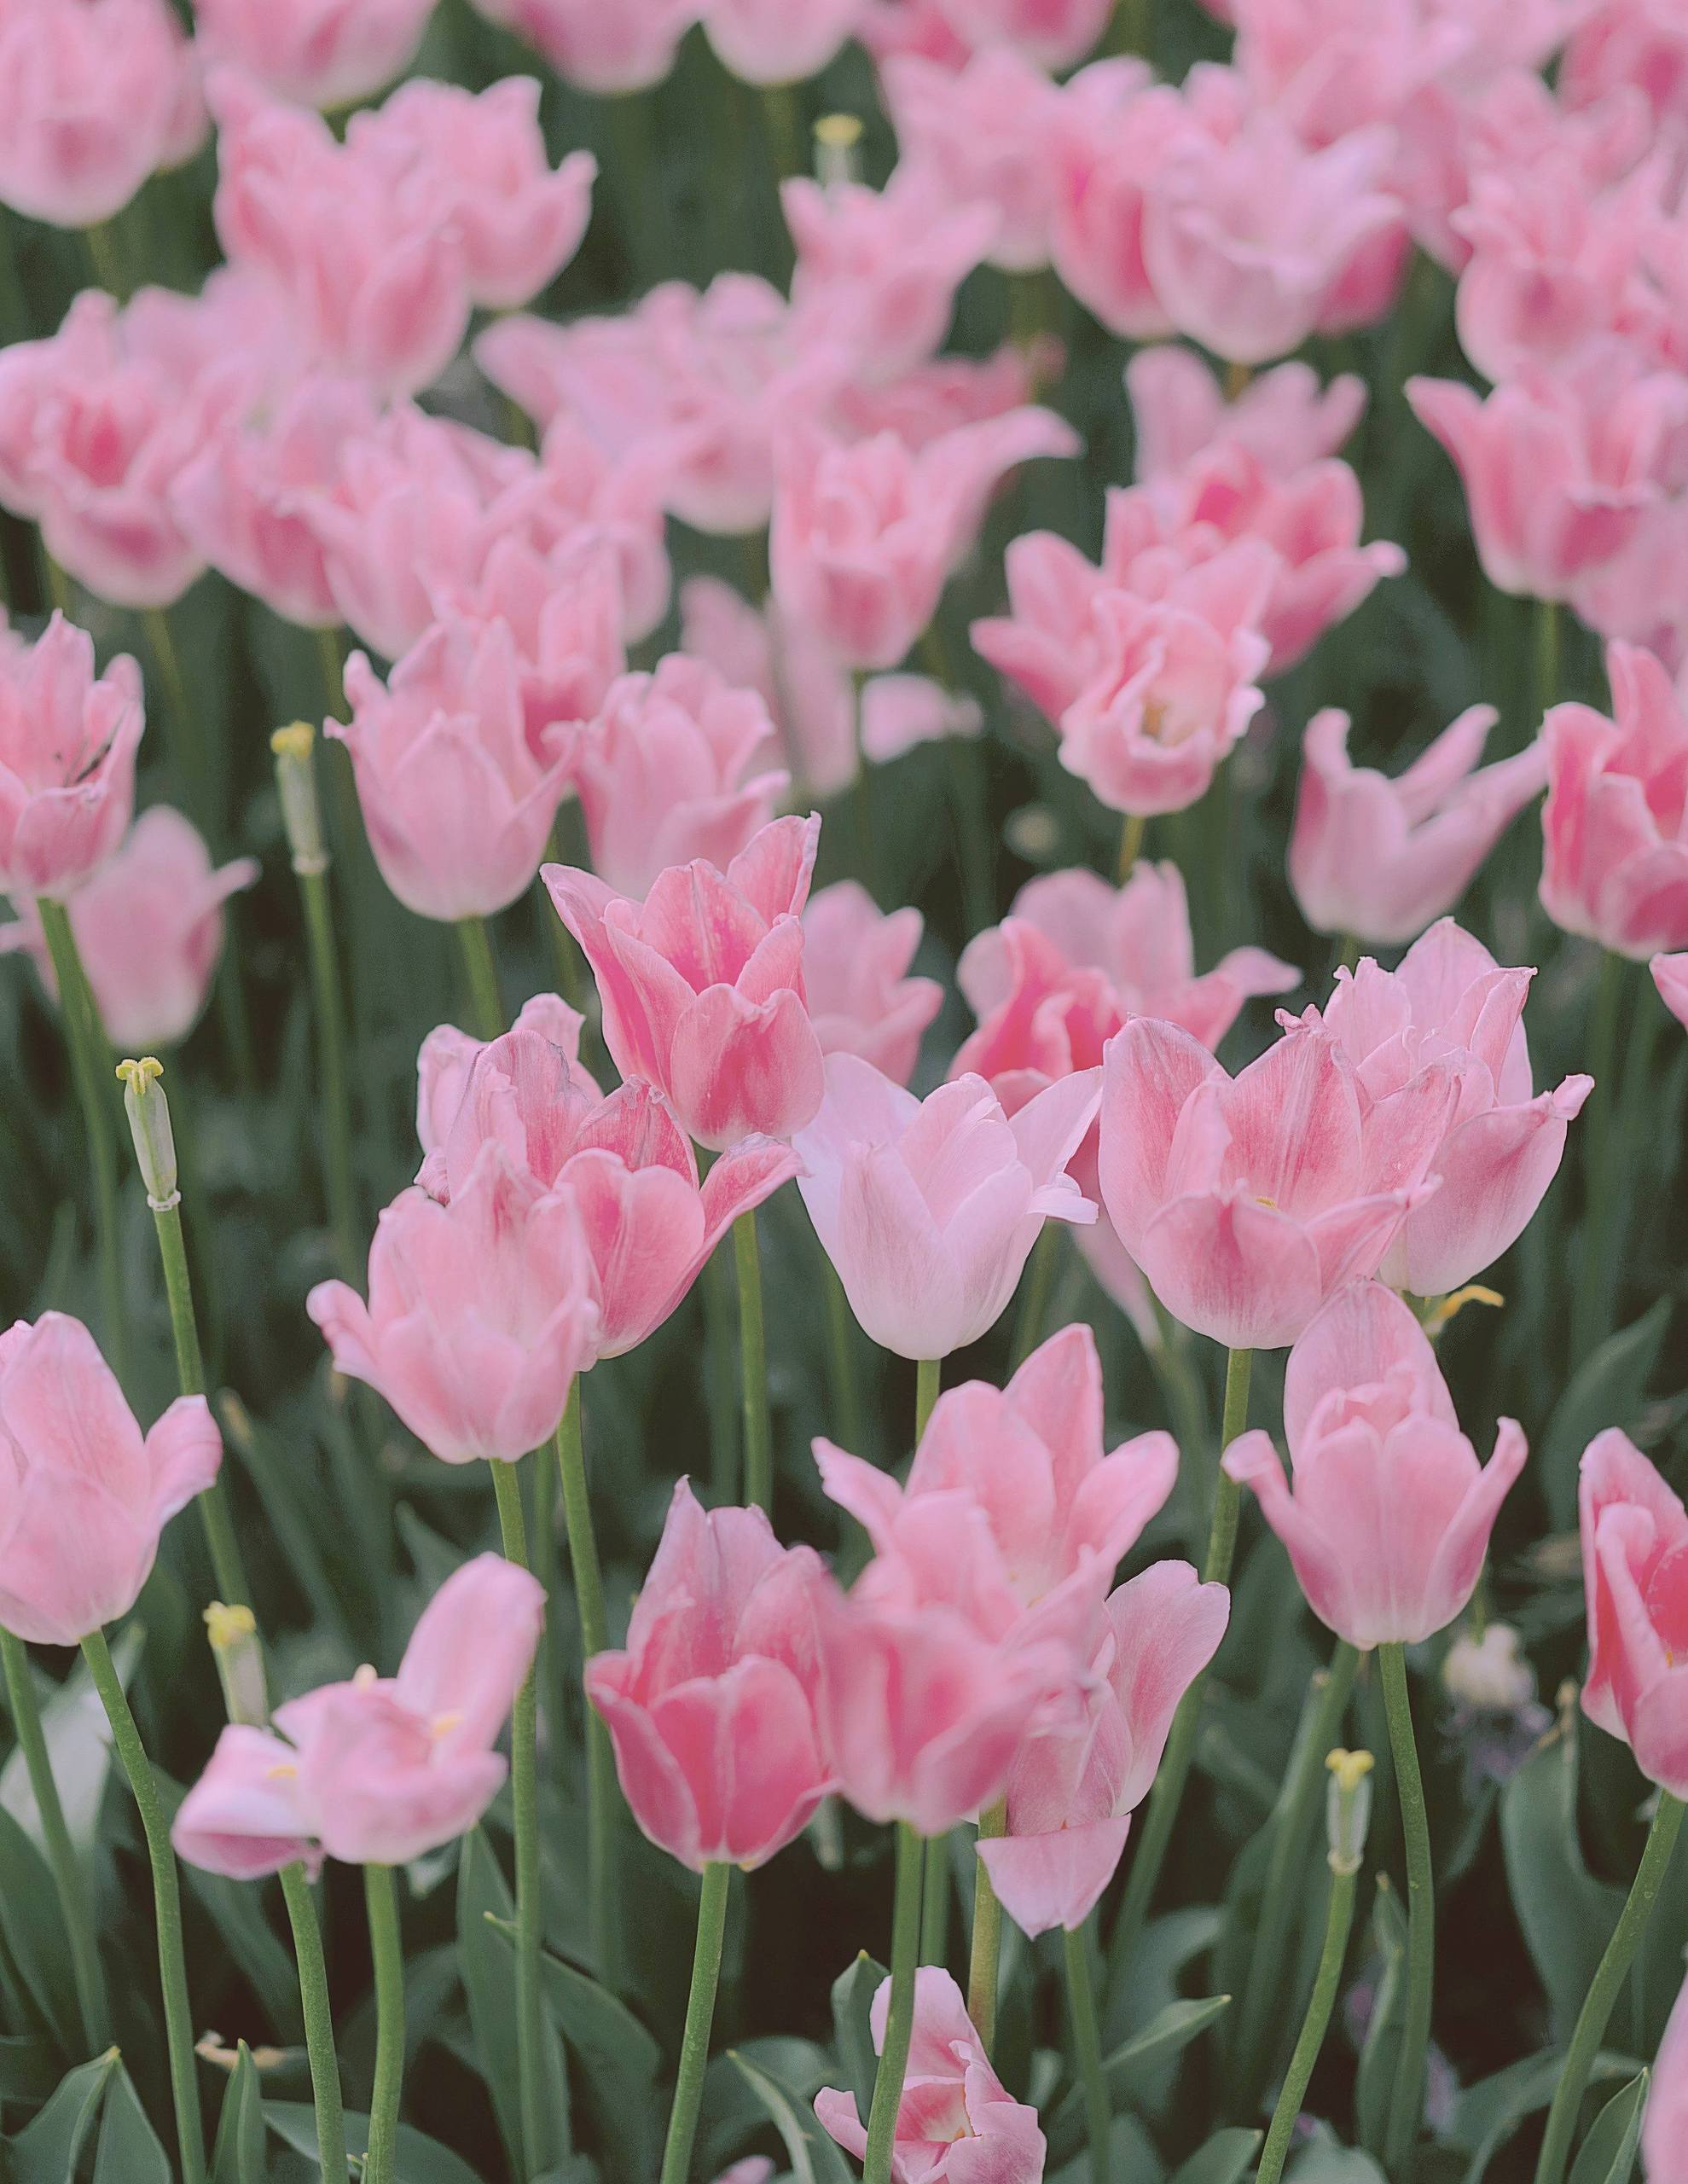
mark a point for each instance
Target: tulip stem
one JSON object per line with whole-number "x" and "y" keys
{"x": 1338, "y": 1926}
{"x": 331, "y": 1062}
{"x": 1546, "y": 663}
{"x": 381, "y": 1897}
{"x": 166, "y": 1900}
{"x": 319, "y": 2020}
{"x": 85, "y": 1041}
{"x": 1168, "y": 1792}
{"x": 905, "y": 1953}
{"x": 986, "y": 1954}
{"x": 1034, "y": 1311}
{"x": 481, "y": 974}
{"x": 68, "y": 1878}
{"x": 841, "y": 1348}
{"x": 935, "y": 1901}
{"x": 1131, "y": 835}
{"x": 525, "y": 1796}
{"x": 1603, "y": 1993}
{"x": 219, "y": 1524}
{"x": 1088, "y": 2046}
{"x": 928, "y": 1377}
{"x": 688, "y": 2084}
{"x": 589, "y": 1593}
{"x": 753, "y": 1366}
{"x": 1406, "y": 2102}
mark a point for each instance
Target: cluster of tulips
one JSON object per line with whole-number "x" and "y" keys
{"x": 387, "y": 414}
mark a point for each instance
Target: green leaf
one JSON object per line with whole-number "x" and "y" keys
{"x": 130, "y": 2151}
{"x": 482, "y": 1895}
{"x": 47, "y": 2152}
{"x": 1566, "y": 1914}
{"x": 814, "y": 2154}
{"x": 29, "y": 2070}
{"x": 420, "y": 2160}
{"x": 238, "y": 2157}
{"x": 1381, "y": 2052}
{"x": 1325, "y": 2162}
{"x": 1486, "y": 2114}
{"x": 1223, "y": 2160}
{"x": 1166, "y": 2035}
{"x": 1608, "y": 2154}
{"x": 78, "y": 1744}
{"x": 1607, "y": 1388}
{"x": 35, "y": 1934}
{"x": 853, "y": 1993}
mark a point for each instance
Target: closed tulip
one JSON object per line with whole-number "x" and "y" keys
{"x": 778, "y": 41}
{"x": 605, "y": 51}
{"x": 322, "y": 53}
{"x": 1635, "y": 1577}
{"x": 67, "y": 744}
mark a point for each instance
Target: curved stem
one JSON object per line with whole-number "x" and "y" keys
{"x": 1603, "y": 1992}
{"x": 601, "y": 1789}
{"x": 166, "y": 1900}
{"x": 753, "y": 1366}
{"x": 928, "y": 1379}
{"x": 319, "y": 2022}
{"x": 219, "y": 1524}
{"x": 986, "y": 1954}
{"x": 524, "y": 1797}
{"x": 688, "y": 2084}
{"x": 1407, "y": 2103}
{"x": 86, "y": 1042}
{"x": 381, "y": 1897}
{"x": 331, "y": 1063}
{"x": 1338, "y": 1924}
{"x": 68, "y": 1878}
{"x": 1088, "y": 2045}
{"x": 905, "y": 1951}
{"x": 481, "y": 973}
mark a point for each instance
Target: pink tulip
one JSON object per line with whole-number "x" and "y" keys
{"x": 1248, "y": 1201}
{"x": 865, "y": 536}
{"x": 623, "y": 1160}
{"x": 480, "y": 1312}
{"x": 87, "y": 1495}
{"x": 1075, "y": 1787}
{"x": 928, "y": 1210}
{"x": 1558, "y": 472}
{"x": 956, "y": 2123}
{"x": 566, "y": 616}
{"x": 1286, "y": 419}
{"x": 458, "y": 807}
{"x": 1382, "y": 859}
{"x": 855, "y": 962}
{"x": 702, "y": 983}
{"x": 1634, "y": 1531}
{"x": 1615, "y": 827}
{"x": 674, "y": 767}
{"x": 67, "y": 743}
{"x": 778, "y": 41}
{"x": 711, "y": 1706}
{"x": 380, "y": 1771}
{"x": 922, "y": 404}
{"x": 482, "y": 158}
{"x": 893, "y": 27}
{"x": 1389, "y": 1520}
{"x": 605, "y": 51}
{"x": 1622, "y": 44}
{"x": 1053, "y": 33}
{"x": 1114, "y": 130}
{"x": 985, "y": 135}
{"x": 149, "y": 927}
{"x": 1670, "y": 976}
{"x": 93, "y": 98}
{"x": 1664, "y": 2129}
{"x": 320, "y": 53}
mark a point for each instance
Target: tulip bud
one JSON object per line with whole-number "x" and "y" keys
{"x": 837, "y": 143}
{"x": 1347, "y": 1808}
{"x": 301, "y": 813}
{"x": 148, "y": 1113}
{"x": 233, "y": 1632}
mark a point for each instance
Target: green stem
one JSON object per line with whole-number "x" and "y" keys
{"x": 688, "y": 2084}
{"x": 905, "y": 1952}
{"x": 481, "y": 972}
{"x": 595, "y": 1637}
{"x": 332, "y": 669}
{"x": 1347, "y": 951}
{"x": 1338, "y": 1924}
{"x": 1602, "y": 1151}
{"x": 1131, "y": 833}
{"x": 1034, "y": 1313}
{"x": 525, "y": 1796}
{"x": 166, "y": 1900}
{"x": 935, "y": 1901}
{"x": 1546, "y": 663}
{"x": 985, "y": 1962}
{"x": 219, "y": 1524}
{"x": 843, "y": 1358}
{"x": 86, "y": 1042}
{"x": 753, "y": 1366}
{"x": 928, "y": 1378}
{"x": 720, "y": 1316}
{"x": 1407, "y": 2103}
{"x": 68, "y": 1878}
{"x": 1603, "y": 1993}
{"x": 103, "y": 258}
{"x": 1088, "y": 2046}
{"x": 331, "y": 1060}
{"x": 184, "y": 730}
{"x": 319, "y": 2021}
{"x": 784, "y": 130}
{"x": 381, "y": 1897}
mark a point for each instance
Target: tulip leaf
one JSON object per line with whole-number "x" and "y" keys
{"x": 130, "y": 2151}
{"x": 420, "y": 2160}
{"x": 1567, "y": 1915}
{"x": 238, "y": 2156}
{"x": 482, "y": 1895}
{"x": 49, "y": 2150}
{"x": 1381, "y": 2051}
{"x": 1607, "y": 1388}
{"x": 1486, "y": 2114}
{"x": 33, "y": 1927}
{"x": 1225, "y": 2159}
{"x": 28, "y": 2070}
{"x": 814, "y": 2154}
{"x": 78, "y": 1744}
{"x": 1167, "y": 2033}
{"x": 1608, "y": 2153}
{"x": 853, "y": 1993}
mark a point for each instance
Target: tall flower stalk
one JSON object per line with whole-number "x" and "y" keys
{"x": 525, "y": 1796}
{"x": 1406, "y": 2102}
{"x": 85, "y": 1041}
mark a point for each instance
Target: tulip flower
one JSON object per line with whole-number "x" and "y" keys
{"x": 382, "y": 1769}
{"x": 855, "y": 962}
{"x": 1248, "y": 1201}
{"x": 1053, "y": 33}
{"x": 956, "y": 2122}
{"x": 711, "y": 1707}
{"x": 778, "y": 41}
{"x": 702, "y": 983}
{"x": 1389, "y": 1518}
{"x": 480, "y": 1312}
{"x": 67, "y": 744}
{"x": 1615, "y": 827}
{"x": 1670, "y": 976}
{"x": 1450, "y": 1008}
{"x": 1634, "y": 1529}
{"x": 88, "y": 1494}
{"x": 928, "y": 1210}
{"x": 1114, "y": 131}
{"x": 1664, "y": 2129}
{"x": 320, "y": 53}
{"x": 674, "y": 767}
{"x": 458, "y": 807}
{"x": 606, "y": 52}
{"x": 984, "y": 134}
{"x": 149, "y": 929}
{"x": 1287, "y": 418}
{"x": 446, "y": 1063}
{"x": 1382, "y": 859}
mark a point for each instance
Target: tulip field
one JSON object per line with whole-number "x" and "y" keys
{"x": 843, "y": 1063}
